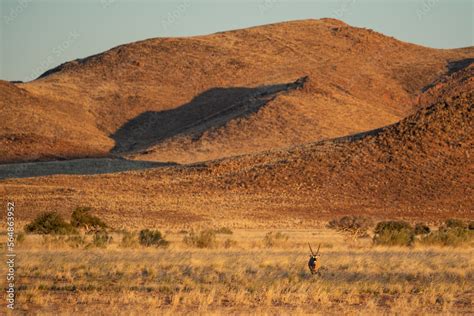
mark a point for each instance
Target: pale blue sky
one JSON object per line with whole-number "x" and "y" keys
{"x": 36, "y": 35}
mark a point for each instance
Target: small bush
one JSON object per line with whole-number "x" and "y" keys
{"x": 101, "y": 239}
{"x": 452, "y": 235}
{"x": 49, "y": 223}
{"x": 355, "y": 225}
{"x": 224, "y": 231}
{"x": 81, "y": 218}
{"x": 422, "y": 229}
{"x": 455, "y": 223}
{"x": 203, "y": 239}
{"x": 149, "y": 238}
{"x": 394, "y": 233}
{"x": 272, "y": 240}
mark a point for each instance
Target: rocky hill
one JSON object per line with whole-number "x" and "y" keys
{"x": 418, "y": 168}
{"x": 208, "y": 97}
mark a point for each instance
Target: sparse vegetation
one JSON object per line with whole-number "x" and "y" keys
{"x": 52, "y": 241}
{"x": 203, "y": 239}
{"x": 129, "y": 240}
{"x": 101, "y": 239}
{"x": 76, "y": 241}
{"x": 224, "y": 231}
{"x": 272, "y": 240}
{"x": 454, "y": 233}
{"x": 448, "y": 237}
{"x": 356, "y": 226}
{"x": 375, "y": 280}
{"x": 150, "y": 238}
{"x": 229, "y": 243}
{"x": 394, "y": 233}
{"x": 49, "y": 223}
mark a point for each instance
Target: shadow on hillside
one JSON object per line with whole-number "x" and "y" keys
{"x": 457, "y": 65}
{"x": 453, "y": 66}
{"x": 358, "y": 136}
{"x": 212, "y": 108}
{"x": 87, "y": 166}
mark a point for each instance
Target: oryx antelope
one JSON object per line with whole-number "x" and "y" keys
{"x": 314, "y": 262}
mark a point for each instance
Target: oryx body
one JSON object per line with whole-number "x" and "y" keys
{"x": 314, "y": 263}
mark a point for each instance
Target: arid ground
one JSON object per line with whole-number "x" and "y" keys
{"x": 243, "y": 274}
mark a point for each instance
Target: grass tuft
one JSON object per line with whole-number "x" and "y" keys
{"x": 275, "y": 240}
{"x": 203, "y": 239}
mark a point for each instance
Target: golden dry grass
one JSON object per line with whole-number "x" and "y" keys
{"x": 247, "y": 278}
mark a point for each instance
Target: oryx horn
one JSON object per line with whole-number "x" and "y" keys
{"x": 312, "y": 253}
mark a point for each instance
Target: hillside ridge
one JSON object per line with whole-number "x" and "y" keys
{"x": 359, "y": 80}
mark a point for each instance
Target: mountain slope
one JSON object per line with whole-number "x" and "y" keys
{"x": 423, "y": 162}
{"x": 34, "y": 127}
{"x": 419, "y": 168}
{"x": 358, "y": 80}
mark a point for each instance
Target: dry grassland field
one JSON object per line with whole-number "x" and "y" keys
{"x": 242, "y": 273}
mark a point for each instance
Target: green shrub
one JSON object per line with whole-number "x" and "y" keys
{"x": 391, "y": 226}
{"x": 151, "y": 238}
{"x": 49, "y": 223}
{"x": 81, "y": 218}
{"x": 203, "y": 239}
{"x": 422, "y": 229}
{"x": 455, "y": 223}
{"x": 394, "y": 233}
{"x": 356, "y": 225}
{"x": 101, "y": 239}
{"x": 446, "y": 236}
{"x": 272, "y": 240}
